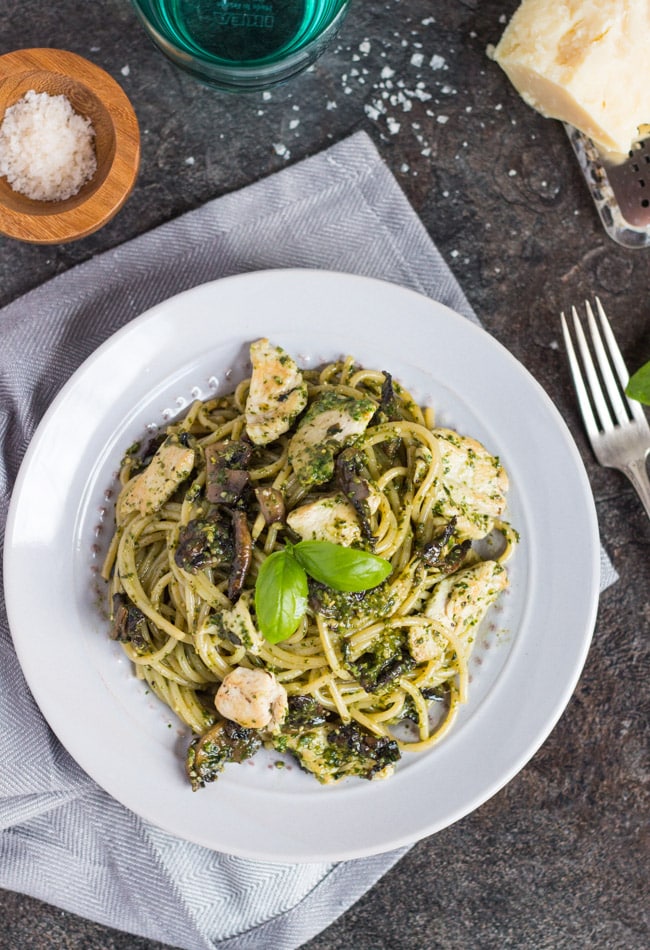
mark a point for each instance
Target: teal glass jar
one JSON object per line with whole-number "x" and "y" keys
{"x": 241, "y": 45}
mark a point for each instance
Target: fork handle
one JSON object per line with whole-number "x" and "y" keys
{"x": 637, "y": 472}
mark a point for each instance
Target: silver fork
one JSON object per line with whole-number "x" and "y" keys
{"x": 616, "y": 426}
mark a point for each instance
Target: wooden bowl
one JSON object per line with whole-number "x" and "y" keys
{"x": 95, "y": 95}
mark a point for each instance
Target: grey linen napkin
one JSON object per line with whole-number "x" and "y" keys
{"x": 65, "y": 840}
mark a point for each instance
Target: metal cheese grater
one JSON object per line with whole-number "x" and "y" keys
{"x": 621, "y": 192}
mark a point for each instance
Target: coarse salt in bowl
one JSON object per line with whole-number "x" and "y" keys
{"x": 56, "y": 105}
{"x": 47, "y": 150}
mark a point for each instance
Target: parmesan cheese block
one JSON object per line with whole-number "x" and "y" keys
{"x": 584, "y": 62}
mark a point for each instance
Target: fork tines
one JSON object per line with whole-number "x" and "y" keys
{"x": 600, "y": 389}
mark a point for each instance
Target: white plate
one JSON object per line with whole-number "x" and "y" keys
{"x": 530, "y": 653}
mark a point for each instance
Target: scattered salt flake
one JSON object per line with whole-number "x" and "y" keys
{"x": 429, "y": 20}
{"x": 95, "y": 49}
{"x": 404, "y": 167}
{"x": 280, "y": 149}
{"x": 393, "y": 125}
{"x": 331, "y": 105}
{"x": 454, "y": 253}
{"x": 190, "y": 160}
{"x": 125, "y": 70}
{"x": 417, "y": 59}
{"x": 442, "y": 119}
{"x": 294, "y": 123}
{"x": 426, "y": 151}
{"x": 512, "y": 173}
{"x": 437, "y": 62}
{"x": 387, "y": 73}
{"x": 371, "y": 112}
{"x": 266, "y": 96}
{"x": 502, "y": 18}
{"x": 498, "y": 107}
{"x": 364, "y": 47}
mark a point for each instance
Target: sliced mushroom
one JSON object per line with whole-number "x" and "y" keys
{"x": 271, "y": 502}
{"x": 129, "y": 623}
{"x": 226, "y": 475}
{"x": 356, "y": 488}
{"x": 205, "y": 542}
{"x": 224, "y": 742}
{"x": 243, "y": 554}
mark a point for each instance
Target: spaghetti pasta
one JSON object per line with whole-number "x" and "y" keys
{"x": 341, "y": 454}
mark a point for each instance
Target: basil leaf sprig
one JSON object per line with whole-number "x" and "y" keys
{"x": 345, "y": 569}
{"x": 281, "y": 587}
{"x": 638, "y": 386}
{"x": 280, "y": 596}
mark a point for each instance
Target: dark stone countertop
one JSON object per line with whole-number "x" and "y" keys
{"x": 558, "y": 858}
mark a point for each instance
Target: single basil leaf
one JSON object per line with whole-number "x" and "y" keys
{"x": 345, "y": 569}
{"x": 280, "y": 596}
{"x": 638, "y": 386}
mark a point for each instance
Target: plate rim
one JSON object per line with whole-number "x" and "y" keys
{"x": 299, "y": 274}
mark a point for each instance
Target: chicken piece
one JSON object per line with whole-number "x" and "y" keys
{"x": 331, "y": 422}
{"x": 329, "y": 518}
{"x": 277, "y": 393}
{"x": 236, "y": 625}
{"x": 472, "y": 485}
{"x": 148, "y": 491}
{"x": 253, "y": 698}
{"x": 426, "y": 643}
{"x": 459, "y": 602}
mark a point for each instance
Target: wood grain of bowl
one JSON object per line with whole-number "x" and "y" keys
{"x": 95, "y": 95}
